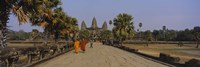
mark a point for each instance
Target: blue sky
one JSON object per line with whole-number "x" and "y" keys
{"x": 174, "y": 14}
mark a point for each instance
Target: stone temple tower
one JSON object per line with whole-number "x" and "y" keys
{"x": 104, "y": 27}
{"x": 83, "y": 25}
{"x": 94, "y": 30}
{"x": 94, "y": 23}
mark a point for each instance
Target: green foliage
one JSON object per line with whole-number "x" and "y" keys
{"x": 155, "y": 34}
{"x": 170, "y": 35}
{"x": 34, "y": 32}
{"x": 105, "y": 34}
{"x": 185, "y": 35}
{"x": 196, "y": 33}
{"x": 123, "y": 26}
{"x": 18, "y": 35}
{"x": 84, "y": 34}
{"x": 148, "y": 35}
{"x": 36, "y": 11}
{"x": 173, "y": 35}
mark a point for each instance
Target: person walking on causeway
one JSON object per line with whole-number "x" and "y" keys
{"x": 76, "y": 46}
{"x": 83, "y": 45}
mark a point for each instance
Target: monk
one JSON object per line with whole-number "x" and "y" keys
{"x": 76, "y": 46}
{"x": 83, "y": 45}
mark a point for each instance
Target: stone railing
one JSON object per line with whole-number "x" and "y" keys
{"x": 10, "y": 56}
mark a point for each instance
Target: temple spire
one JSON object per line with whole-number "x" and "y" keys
{"x": 83, "y": 25}
{"x": 94, "y": 23}
{"x": 104, "y": 27}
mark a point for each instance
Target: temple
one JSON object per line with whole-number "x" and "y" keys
{"x": 94, "y": 29}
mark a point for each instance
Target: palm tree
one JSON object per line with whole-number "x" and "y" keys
{"x": 123, "y": 26}
{"x": 61, "y": 24}
{"x": 110, "y": 22}
{"x": 140, "y": 25}
{"x": 72, "y": 27}
{"x": 6, "y": 6}
{"x": 35, "y": 10}
{"x": 69, "y": 27}
{"x": 164, "y": 32}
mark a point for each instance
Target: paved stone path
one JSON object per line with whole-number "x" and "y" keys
{"x": 100, "y": 56}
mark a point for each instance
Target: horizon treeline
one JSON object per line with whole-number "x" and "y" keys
{"x": 170, "y": 34}
{"x": 155, "y": 35}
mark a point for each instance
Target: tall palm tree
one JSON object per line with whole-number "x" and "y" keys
{"x": 110, "y": 22}
{"x": 164, "y": 32}
{"x": 69, "y": 27}
{"x": 123, "y": 26}
{"x": 35, "y": 10}
{"x": 140, "y": 25}
{"x": 6, "y": 6}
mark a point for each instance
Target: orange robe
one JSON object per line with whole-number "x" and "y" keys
{"x": 76, "y": 46}
{"x": 83, "y": 45}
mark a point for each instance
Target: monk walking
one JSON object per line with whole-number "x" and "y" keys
{"x": 83, "y": 45}
{"x": 76, "y": 45}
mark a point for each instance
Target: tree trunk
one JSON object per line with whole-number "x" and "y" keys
{"x": 45, "y": 36}
{"x": 4, "y": 35}
{"x": 29, "y": 58}
{"x": 197, "y": 44}
{"x": 147, "y": 43}
{"x": 7, "y": 63}
{"x": 4, "y": 17}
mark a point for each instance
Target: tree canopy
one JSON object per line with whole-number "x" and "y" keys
{"x": 123, "y": 26}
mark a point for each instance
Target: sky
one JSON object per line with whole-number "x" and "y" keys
{"x": 153, "y": 14}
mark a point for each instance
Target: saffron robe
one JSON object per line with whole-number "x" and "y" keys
{"x": 83, "y": 45}
{"x": 76, "y": 46}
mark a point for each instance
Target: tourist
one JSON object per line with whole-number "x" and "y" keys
{"x": 91, "y": 43}
{"x": 76, "y": 45}
{"x": 83, "y": 45}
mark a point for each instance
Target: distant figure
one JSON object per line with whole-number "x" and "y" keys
{"x": 76, "y": 45}
{"x": 91, "y": 43}
{"x": 83, "y": 45}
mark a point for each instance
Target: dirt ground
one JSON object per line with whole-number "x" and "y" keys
{"x": 187, "y": 52}
{"x": 100, "y": 56}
